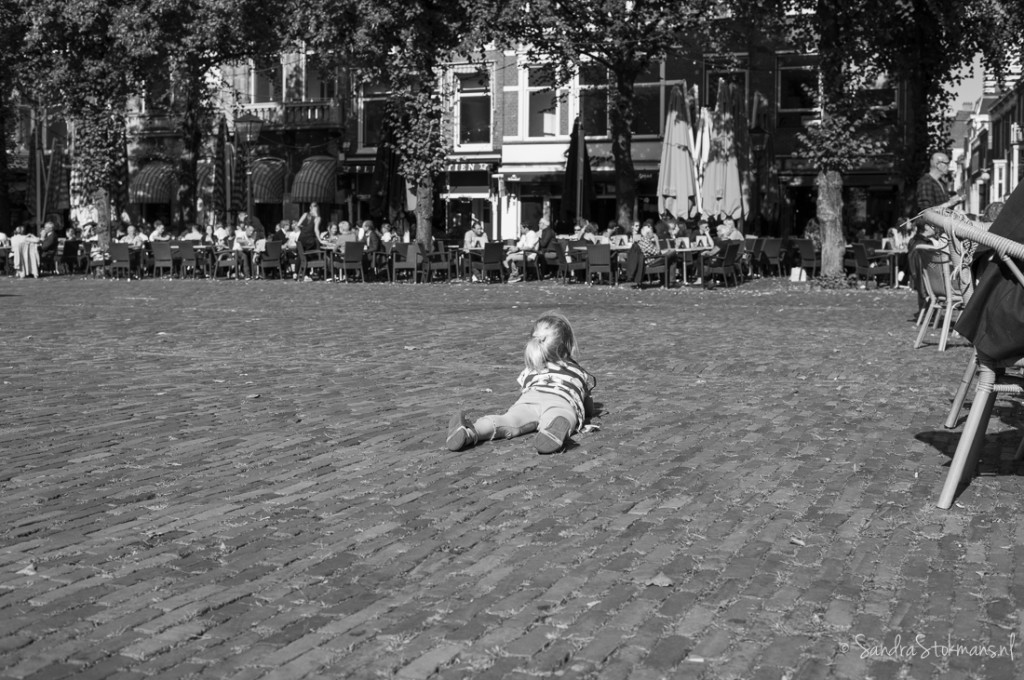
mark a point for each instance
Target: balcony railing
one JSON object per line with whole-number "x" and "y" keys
{"x": 296, "y": 114}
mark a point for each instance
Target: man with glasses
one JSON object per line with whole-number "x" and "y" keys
{"x": 931, "y": 188}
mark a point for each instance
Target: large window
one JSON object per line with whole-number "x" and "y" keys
{"x": 542, "y": 104}
{"x": 374, "y": 102}
{"x": 880, "y": 95}
{"x": 647, "y": 102}
{"x": 798, "y": 83}
{"x": 594, "y": 100}
{"x": 733, "y": 70}
{"x": 267, "y": 81}
{"x": 321, "y": 82}
{"x": 472, "y": 86}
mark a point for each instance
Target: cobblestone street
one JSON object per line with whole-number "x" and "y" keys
{"x": 249, "y": 480}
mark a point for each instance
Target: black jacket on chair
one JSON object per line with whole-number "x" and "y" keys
{"x": 994, "y": 317}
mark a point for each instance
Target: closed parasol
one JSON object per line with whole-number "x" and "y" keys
{"x": 678, "y": 193}
{"x": 722, "y": 191}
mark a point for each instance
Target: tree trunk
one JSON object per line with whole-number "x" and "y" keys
{"x": 622, "y": 150}
{"x": 830, "y": 217}
{"x": 425, "y": 212}
{"x": 5, "y": 192}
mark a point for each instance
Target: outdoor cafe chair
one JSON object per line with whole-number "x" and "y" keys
{"x": 188, "y": 260}
{"x": 491, "y": 262}
{"x": 68, "y": 262}
{"x": 944, "y": 299}
{"x": 312, "y": 259}
{"x": 810, "y": 259}
{"x": 599, "y": 262}
{"x": 94, "y": 265}
{"x": 992, "y": 378}
{"x": 772, "y": 255}
{"x": 725, "y": 263}
{"x": 120, "y": 260}
{"x": 754, "y": 264}
{"x": 225, "y": 259}
{"x": 868, "y": 267}
{"x": 162, "y": 258}
{"x": 271, "y": 259}
{"x": 353, "y": 260}
{"x": 566, "y": 268}
{"x": 405, "y": 257}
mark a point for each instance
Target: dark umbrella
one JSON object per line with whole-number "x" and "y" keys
{"x": 578, "y": 182}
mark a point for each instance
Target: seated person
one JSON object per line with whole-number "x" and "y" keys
{"x": 647, "y": 251}
{"x": 220, "y": 233}
{"x": 48, "y": 247}
{"x": 387, "y": 234}
{"x": 194, "y": 234}
{"x": 475, "y": 237}
{"x": 243, "y": 245}
{"x": 525, "y": 250}
{"x": 661, "y": 230}
{"x": 547, "y": 242}
{"x": 330, "y": 238}
{"x": 133, "y": 237}
{"x": 159, "y": 232}
{"x": 373, "y": 249}
{"x": 226, "y": 240}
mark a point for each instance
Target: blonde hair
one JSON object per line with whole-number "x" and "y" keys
{"x": 552, "y": 341}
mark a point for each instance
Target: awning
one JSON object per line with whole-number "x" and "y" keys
{"x": 154, "y": 183}
{"x": 268, "y": 176}
{"x": 535, "y": 169}
{"x": 316, "y": 181}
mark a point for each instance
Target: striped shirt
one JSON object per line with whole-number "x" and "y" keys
{"x": 566, "y": 379}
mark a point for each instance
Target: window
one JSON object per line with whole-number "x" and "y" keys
{"x": 267, "y": 81}
{"x": 321, "y": 84}
{"x": 647, "y": 111}
{"x": 798, "y": 83}
{"x": 730, "y": 69}
{"x": 542, "y": 105}
{"x": 880, "y": 95}
{"x": 594, "y": 100}
{"x": 374, "y": 104}
{"x": 473, "y": 108}
{"x": 647, "y": 103}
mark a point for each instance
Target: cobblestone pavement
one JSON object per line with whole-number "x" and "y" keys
{"x": 249, "y": 480}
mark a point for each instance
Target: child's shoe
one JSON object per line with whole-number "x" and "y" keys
{"x": 460, "y": 432}
{"x": 552, "y": 438}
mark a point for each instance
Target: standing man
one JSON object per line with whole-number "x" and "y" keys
{"x": 247, "y": 220}
{"x": 931, "y": 188}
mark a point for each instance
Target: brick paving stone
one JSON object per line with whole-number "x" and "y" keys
{"x": 323, "y": 530}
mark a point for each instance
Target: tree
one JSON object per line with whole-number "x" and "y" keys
{"x": 924, "y": 43}
{"x": 180, "y": 47}
{"x": 78, "y": 65}
{"x": 88, "y": 57}
{"x": 406, "y": 45}
{"x": 13, "y": 28}
{"x": 623, "y": 37}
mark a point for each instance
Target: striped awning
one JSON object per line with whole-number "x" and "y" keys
{"x": 154, "y": 183}
{"x": 204, "y": 178}
{"x": 316, "y": 181}
{"x": 268, "y": 177}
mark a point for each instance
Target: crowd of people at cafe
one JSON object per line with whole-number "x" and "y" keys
{"x": 539, "y": 248}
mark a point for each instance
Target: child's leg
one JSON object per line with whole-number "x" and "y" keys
{"x": 556, "y": 423}
{"x": 521, "y": 418}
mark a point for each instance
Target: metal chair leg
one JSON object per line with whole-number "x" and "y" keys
{"x": 972, "y": 437}
{"x": 961, "y": 391}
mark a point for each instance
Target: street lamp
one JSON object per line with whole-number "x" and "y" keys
{"x": 247, "y": 131}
